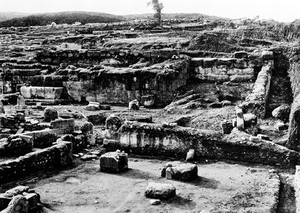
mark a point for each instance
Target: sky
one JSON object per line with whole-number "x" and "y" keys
{"x": 280, "y": 10}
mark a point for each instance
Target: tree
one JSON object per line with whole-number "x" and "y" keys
{"x": 157, "y": 6}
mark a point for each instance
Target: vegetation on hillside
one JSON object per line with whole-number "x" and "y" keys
{"x": 10, "y": 15}
{"x": 61, "y": 18}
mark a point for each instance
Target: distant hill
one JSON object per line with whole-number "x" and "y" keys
{"x": 61, "y": 18}
{"x": 10, "y": 15}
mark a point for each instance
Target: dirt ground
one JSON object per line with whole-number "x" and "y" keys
{"x": 221, "y": 187}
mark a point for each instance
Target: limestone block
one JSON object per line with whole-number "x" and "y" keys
{"x": 190, "y": 155}
{"x": 180, "y": 171}
{"x": 160, "y": 190}
{"x": 17, "y": 190}
{"x": 114, "y": 162}
{"x": 33, "y": 200}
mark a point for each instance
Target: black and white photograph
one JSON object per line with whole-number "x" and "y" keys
{"x": 149, "y": 106}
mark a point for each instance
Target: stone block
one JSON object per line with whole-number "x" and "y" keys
{"x": 33, "y": 200}
{"x": 114, "y": 162}
{"x": 180, "y": 171}
{"x": 190, "y": 155}
{"x": 160, "y": 191}
{"x": 65, "y": 126}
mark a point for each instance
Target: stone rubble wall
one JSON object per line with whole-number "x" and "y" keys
{"x": 153, "y": 139}
{"x": 122, "y": 85}
{"x": 54, "y": 157}
{"x": 43, "y": 138}
{"x": 256, "y": 101}
{"x": 222, "y": 69}
{"x": 88, "y": 57}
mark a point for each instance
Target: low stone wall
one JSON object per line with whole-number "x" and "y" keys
{"x": 256, "y": 101}
{"x": 153, "y": 139}
{"x": 43, "y": 138}
{"x": 54, "y": 157}
{"x": 41, "y": 92}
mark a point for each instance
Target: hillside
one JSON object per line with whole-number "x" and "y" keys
{"x": 61, "y": 18}
{"x": 10, "y": 15}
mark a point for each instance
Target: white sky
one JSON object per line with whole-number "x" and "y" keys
{"x": 280, "y": 10}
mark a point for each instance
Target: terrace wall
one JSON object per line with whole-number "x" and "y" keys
{"x": 153, "y": 139}
{"x": 54, "y": 157}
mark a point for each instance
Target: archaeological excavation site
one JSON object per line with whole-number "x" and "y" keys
{"x": 192, "y": 114}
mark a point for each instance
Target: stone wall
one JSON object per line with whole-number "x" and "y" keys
{"x": 30, "y": 92}
{"x": 222, "y": 69}
{"x": 54, "y": 157}
{"x": 121, "y": 85}
{"x": 93, "y": 57}
{"x": 153, "y": 139}
{"x": 43, "y": 138}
